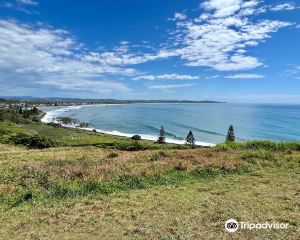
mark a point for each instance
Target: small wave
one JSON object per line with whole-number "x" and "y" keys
{"x": 172, "y": 135}
{"x": 201, "y": 130}
{"x": 151, "y": 137}
{"x": 129, "y": 135}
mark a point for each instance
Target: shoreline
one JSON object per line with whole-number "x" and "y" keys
{"x": 47, "y": 119}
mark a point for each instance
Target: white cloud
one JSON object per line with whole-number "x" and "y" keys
{"x": 179, "y": 16}
{"x": 102, "y": 86}
{"x": 221, "y": 38}
{"x": 24, "y": 6}
{"x": 222, "y": 8}
{"x": 27, "y": 2}
{"x": 245, "y": 76}
{"x": 169, "y": 86}
{"x": 166, "y": 77}
{"x": 31, "y": 56}
{"x": 285, "y": 6}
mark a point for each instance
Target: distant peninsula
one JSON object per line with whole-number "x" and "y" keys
{"x": 85, "y": 101}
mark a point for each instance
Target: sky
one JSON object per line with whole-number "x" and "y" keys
{"x": 222, "y": 50}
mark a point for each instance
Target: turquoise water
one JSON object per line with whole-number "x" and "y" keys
{"x": 209, "y": 122}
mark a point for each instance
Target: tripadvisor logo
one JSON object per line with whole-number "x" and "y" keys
{"x": 233, "y": 225}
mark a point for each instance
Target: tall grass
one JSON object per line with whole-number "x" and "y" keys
{"x": 266, "y": 145}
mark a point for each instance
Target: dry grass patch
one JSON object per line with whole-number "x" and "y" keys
{"x": 191, "y": 210}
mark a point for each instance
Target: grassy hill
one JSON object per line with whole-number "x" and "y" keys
{"x": 95, "y": 186}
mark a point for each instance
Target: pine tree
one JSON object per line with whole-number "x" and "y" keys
{"x": 190, "y": 139}
{"x": 230, "y": 135}
{"x": 162, "y": 135}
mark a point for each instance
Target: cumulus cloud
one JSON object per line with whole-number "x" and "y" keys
{"x": 166, "y": 77}
{"x": 219, "y": 38}
{"x": 245, "y": 76}
{"x": 222, "y": 8}
{"x": 39, "y": 55}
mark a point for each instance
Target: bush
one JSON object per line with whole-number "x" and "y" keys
{"x": 58, "y": 125}
{"x": 136, "y": 137}
{"x": 35, "y": 142}
{"x": 112, "y": 155}
{"x": 40, "y": 142}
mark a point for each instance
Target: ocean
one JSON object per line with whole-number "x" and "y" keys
{"x": 208, "y": 122}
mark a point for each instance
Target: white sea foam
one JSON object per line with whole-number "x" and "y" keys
{"x": 51, "y": 114}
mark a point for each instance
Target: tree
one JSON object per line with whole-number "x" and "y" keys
{"x": 162, "y": 135}
{"x": 35, "y": 110}
{"x": 136, "y": 137}
{"x": 230, "y": 135}
{"x": 190, "y": 139}
{"x": 2, "y": 115}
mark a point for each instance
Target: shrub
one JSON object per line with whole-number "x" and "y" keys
{"x": 40, "y": 142}
{"x": 112, "y": 155}
{"x": 58, "y": 125}
{"x": 136, "y": 137}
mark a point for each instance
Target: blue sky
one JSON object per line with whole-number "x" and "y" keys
{"x": 227, "y": 50}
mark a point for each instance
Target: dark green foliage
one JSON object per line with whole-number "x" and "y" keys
{"x": 67, "y": 120}
{"x": 58, "y": 125}
{"x": 72, "y": 121}
{"x": 136, "y": 137}
{"x": 230, "y": 135}
{"x": 40, "y": 142}
{"x": 112, "y": 155}
{"x": 36, "y": 141}
{"x": 18, "y": 115}
{"x": 162, "y": 135}
{"x": 2, "y": 116}
{"x": 190, "y": 140}
{"x": 83, "y": 125}
{"x": 34, "y": 110}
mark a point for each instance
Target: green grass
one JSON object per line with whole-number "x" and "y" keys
{"x": 97, "y": 186}
{"x": 77, "y": 138}
{"x": 194, "y": 209}
{"x": 265, "y": 145}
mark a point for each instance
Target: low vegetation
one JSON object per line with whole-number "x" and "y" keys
{"x": 61, "y": 183}
{"x": 20, "y": 115}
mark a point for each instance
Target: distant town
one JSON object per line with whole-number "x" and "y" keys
{"x": 29, "y": 102}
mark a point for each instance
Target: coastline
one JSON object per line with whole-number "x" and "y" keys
{"x": 47, "y": 118}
